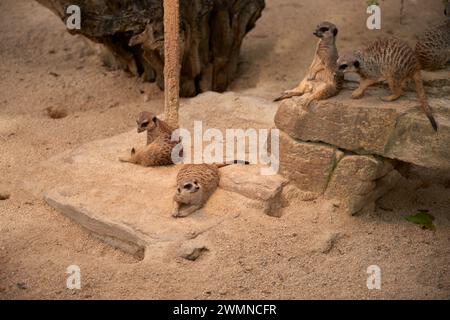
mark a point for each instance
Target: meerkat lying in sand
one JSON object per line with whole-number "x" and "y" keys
{"x": 323, "y": 80}
{"x": 392, "y": 60}
{"x": 158, "y": 151}
{"x": 195, "y": 184}
{"x": 433, "y": 47}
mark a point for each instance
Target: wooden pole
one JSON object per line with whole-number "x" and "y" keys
{"x": 171, "y": 61}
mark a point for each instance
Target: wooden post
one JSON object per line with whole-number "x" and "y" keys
{"x": 172, "y": 65}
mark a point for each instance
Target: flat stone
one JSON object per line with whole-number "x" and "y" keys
{"x": 396, "y": 130}
{"x": 129, "y": 206}
{"x": 248, "y": 182}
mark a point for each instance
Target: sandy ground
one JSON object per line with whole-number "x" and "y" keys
{"x": 259, "y": 257}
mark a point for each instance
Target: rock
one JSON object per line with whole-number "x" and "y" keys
{"x": 307, "y": 165}
{"x": 248, "y": 182}
{"x": 4, "y": 195}
{"x": 191, "y": 250}
{"x": 56, "y": 112}
{"x": 358, "y": 181}
{"x": 328, "y": 241}
{"x": 396, "y": 130}
{"x": 211, "y": 34}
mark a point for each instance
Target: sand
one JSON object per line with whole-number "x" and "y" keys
{"x": 312, "y": 252}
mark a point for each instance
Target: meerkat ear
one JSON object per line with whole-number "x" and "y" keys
{"x": 356, "y": 64}
{"x": 133, "y": 151}
{"x": 154, "y": 119}
{"x": 335, "y": 32}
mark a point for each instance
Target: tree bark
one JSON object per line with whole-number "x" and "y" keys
{"x": 211, "y": 34}
{"x": 172, "y": 61}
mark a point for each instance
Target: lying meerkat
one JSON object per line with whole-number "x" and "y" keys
{"x": 158, "y": 151}
{"x": 195, "y": 184}
{"x": 433, "y": 47}
{"x": 323, "y": 80}
{"x": 392, "y": 60}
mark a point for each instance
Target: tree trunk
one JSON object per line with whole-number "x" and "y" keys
{"x": 211, "y": 34}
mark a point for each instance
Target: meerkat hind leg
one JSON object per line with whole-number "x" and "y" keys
{"x": 396, "y": 88}
{"x": 321, "y": 92}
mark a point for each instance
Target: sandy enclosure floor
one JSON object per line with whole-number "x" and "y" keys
{"x": 254, "y": 256}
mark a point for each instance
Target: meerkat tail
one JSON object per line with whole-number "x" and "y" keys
{"x": 221, "y": 165}
{"x": 288, "y": 95}
{"x": 423, "y": 100}
{"x": 128, "y": 160}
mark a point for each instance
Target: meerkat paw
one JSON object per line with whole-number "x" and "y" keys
{"x": 357, "y": 94}
{"x": 390, "y": 98}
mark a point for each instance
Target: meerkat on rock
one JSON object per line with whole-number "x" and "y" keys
{"x": 390, "y": 60}
{"x": 433, "y": 47}
{"x": 323, "y": 80}
{"x": 158, "y": 151}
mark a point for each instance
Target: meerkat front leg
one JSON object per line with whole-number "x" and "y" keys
{"x": 314, "y": 70}
{"x": 175, "y": 209}
{"x": 363, "y": 85}
{"x": 187, "y": 211}
{"x": 396, "y": 88}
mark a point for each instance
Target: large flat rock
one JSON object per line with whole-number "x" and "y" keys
{"x": 397, "y": 130}
{"x": 130, "y": 206}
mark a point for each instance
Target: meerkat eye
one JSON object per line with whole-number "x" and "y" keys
{"x": 144, "y": 124}
{"x": 356, "y": 64}
{"x": 343, "y": 67}
{"x": 188, "y": 186}
{"x": 324, "y": 29}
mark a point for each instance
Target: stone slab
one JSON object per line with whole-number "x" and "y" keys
{"x": 130, "y": 206}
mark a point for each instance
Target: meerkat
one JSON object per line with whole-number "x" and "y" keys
{"x": 433, "y": 47}
{"x": 323, "y": 80}
{"x": 158, "y": 151}
{"x": 392, "y": 60}
{"x": 147, "y": 121}
{"x": 195, "y": 184}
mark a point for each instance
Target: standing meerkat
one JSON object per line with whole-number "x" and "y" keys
{"x": 323, "y": 80}
{"x": 392, "y": 60}
{"x": 158, "y": 151}
{"x": 195, "y": 184}
{"x": 433, "y": 47}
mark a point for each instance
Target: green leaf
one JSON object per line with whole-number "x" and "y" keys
{"x": 423, "y": 219}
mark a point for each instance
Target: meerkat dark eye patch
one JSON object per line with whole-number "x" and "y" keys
{"x": 188, "y": 186}
{"x": 343, "y": 67}
{"x": 144, "y": 124}
{"x": 324, "y": 29}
